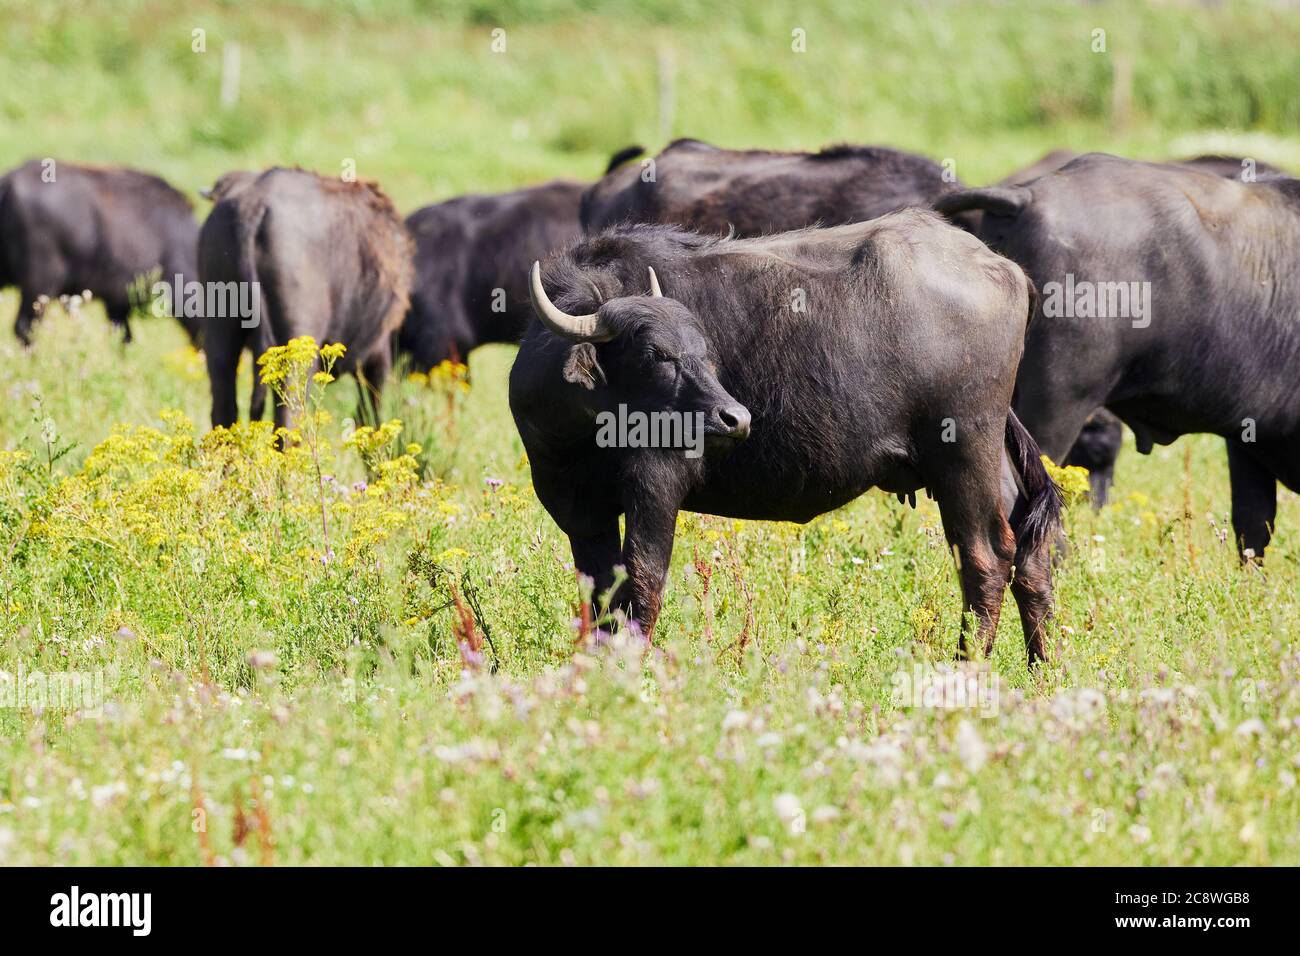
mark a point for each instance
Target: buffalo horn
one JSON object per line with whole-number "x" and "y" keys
{"x": 579, "y": 328}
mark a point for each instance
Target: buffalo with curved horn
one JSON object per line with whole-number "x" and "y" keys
{"x": 780, "y": 378}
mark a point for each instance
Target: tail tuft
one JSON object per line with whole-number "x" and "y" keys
{"x": 1042, "y": 515}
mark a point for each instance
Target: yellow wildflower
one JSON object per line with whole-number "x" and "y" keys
{"x": 1072, "y": 480}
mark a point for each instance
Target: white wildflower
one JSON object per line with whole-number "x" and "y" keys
{"x": 1251, "y": 728}
{"x": 789, "y": 811}
{"x": 971, "y": 748}
{"x": 735, "y": 720}
{"x": 825, "y": 814}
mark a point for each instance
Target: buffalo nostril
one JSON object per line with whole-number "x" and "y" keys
{"x": 735, "y": 420}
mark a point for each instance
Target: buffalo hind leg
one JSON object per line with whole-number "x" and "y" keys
{"x": 1031, "y": 586}
{"x": 1031, "y": 581}
{"x": 221, "y": 353}
{"x": 1254, "y": 502}
{"x": 977, "y": 530}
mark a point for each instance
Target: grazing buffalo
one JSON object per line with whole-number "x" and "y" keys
{"x": 779, "y": 378}
{"x": 471, "y": 267}
{"x": 322, "y": 257}
{"x": 65, "y": 229}
{"x": 756, "y": 192}
{"x": 1170, "y": 296}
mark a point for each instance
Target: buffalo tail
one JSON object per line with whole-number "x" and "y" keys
{"x": 1042, "y": 514}
{"x": 997, "y": 200}
{"x": 259, "y": 341}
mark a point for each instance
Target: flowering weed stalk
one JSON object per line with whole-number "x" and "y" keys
{"x": 290, "y": 371}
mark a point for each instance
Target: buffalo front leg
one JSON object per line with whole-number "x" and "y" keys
{"x": 27, "y": 313}
{"x": 1254, "y": 502}
{"x": 651, "y": 508}
{"x": 595, "y": 556}
{"x": 119, "y": 314}
{"x": 40, "y": 272}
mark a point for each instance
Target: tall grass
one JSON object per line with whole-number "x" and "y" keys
{"x": 348, "y": 709}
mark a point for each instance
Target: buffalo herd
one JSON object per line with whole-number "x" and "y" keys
{"x": 796, "y": 327}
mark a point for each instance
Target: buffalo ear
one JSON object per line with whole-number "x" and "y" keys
{"x": 581, "y": 367}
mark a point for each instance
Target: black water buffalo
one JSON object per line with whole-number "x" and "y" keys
{"x": 471, "y": 267}
{"x": 65, "y": 229}
{"x": 756, "y": 192}
{"x": 1170, "y": 296}
{"x": 330, "y": 259}
{"x": 816, "y": 364}
{"x": 1098, "y": 446}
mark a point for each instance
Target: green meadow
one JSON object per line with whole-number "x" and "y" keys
{"x": 366, "y": 649}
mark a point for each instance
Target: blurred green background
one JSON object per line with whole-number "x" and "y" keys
{"x": 413, "y": 92}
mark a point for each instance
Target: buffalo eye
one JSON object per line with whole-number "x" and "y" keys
{"x": 660, "y": 355}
